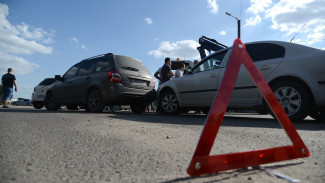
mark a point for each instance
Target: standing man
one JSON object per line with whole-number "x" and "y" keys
{"x": 7, "y": 81}
{"x": 166, "y": 71}
{"x": 157, "y": 75}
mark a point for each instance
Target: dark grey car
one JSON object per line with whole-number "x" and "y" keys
{"x": 103, "y": 80}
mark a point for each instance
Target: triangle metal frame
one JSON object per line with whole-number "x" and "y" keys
{"x": 202, "y": 163}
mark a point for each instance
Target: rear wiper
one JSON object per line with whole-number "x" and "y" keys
{"x": 131, "y": 68}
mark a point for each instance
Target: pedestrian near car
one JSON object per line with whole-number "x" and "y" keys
{"x": 178, "y": 72}
{"x": 166, "y": 71}
{"x": 8, "y": 81}
{"x": 157, "y": 75}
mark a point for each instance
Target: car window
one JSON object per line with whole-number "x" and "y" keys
{"x": 103, "y": 64}
{"x": 211, "y": 63}
{"x": 264, "y": 51}
{"x": 86, "y": 67}
{"x": 129, "y": 63}
{"x": 71, "y": 72}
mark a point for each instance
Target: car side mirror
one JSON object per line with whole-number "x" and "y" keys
{"x": 58, "y": 77}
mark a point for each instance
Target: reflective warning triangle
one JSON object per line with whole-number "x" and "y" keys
{"x": 202, "y": 163}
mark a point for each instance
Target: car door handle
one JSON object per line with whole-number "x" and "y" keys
{"x": 265, "y": 67}
{"x": 213, "y": 76}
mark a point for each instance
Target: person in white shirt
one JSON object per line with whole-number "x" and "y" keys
{"x": 179, "y": 71}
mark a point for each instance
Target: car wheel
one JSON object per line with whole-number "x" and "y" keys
{"x": 318, "y": 115}
{"x": 95, "y": 102}
{"x": 169, "y": 103}
{"x": 38, "y": 105}
{"x": 294, "y": 99}
{"x": 49, "y": 103}
{"x": 138, "y": 108}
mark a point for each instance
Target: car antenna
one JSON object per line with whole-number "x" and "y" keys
{"x": 297, "y": 33}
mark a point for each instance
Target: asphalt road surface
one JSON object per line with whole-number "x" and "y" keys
{"x": 76, "y": 146}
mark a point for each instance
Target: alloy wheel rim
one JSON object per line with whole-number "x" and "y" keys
{"x": 169, "y": 103}
{"x": 93, "y": 100}
{"x": 289, "y": 98}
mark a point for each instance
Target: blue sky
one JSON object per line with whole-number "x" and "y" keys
{"x": 42, "y": 38}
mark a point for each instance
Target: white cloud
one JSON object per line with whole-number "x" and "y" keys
{"x": 74, "y": 39}
{"x": 252, "y": 21}
{"x": 289, "y": 16}
{"x": 212, "y": 4}
{"x": 148, "y": 20}
{"x": 20, "y": 39}
{"x": 185, "y": 49}
{"x": 19, "y": 65}
{"x": 258, "y": 6}
{"x": 223, "y": 33}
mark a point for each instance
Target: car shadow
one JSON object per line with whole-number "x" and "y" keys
{"x": 229, "y": 120}
{"x": 32, "y": 110}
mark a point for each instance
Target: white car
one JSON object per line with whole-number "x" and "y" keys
{"x": 296, "y": 74}
{"x": 39, "y": 93}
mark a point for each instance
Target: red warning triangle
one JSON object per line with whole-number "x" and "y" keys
{"x": 202, "y": 163}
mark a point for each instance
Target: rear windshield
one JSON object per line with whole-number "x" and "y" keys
{"x": 47, "y": 81}
{"x": 128, "y": 63}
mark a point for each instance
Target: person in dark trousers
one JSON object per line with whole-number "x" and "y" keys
{"x": 166, "y": 71}
{"x": 7, "y": 81}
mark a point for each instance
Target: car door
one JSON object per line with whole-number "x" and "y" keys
{"x": 266, "y": 57}
{"x": 79, "y": 83}
{"x": 199, "y": 87}
{"x": 63, "y": 90}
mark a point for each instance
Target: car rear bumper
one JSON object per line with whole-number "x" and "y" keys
{"x": 120, "y": 95}
{"x": 37, "y": 98}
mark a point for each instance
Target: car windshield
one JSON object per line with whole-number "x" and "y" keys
{"x": 130, "y": 64}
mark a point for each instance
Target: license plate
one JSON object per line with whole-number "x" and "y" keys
{"x": 139, "y": 82}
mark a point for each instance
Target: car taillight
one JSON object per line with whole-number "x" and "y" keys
{"x": 114, "y": 77}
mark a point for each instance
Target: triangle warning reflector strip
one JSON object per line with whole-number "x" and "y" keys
{"x": 202, "y": 163}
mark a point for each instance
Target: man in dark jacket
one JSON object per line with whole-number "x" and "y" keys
{"x": 166, "y": 71}
{"x": 8, "y": 80}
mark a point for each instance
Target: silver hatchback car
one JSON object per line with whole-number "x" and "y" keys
{"x": 296, "y": 74}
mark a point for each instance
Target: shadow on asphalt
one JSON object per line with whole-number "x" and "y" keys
{"x": 233, "y": 120}
{"x": 221, "y": 176}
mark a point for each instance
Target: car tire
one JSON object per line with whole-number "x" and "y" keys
{"x": 294, "y": 99}
{"x": 138, "y": 108}
{"x": 318, "y": 115}
{"x": 49, "y": 102}
{"x": 94, "y": 101}
{"x": 38, "y": 105}
{"x": 168, "y": 103}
